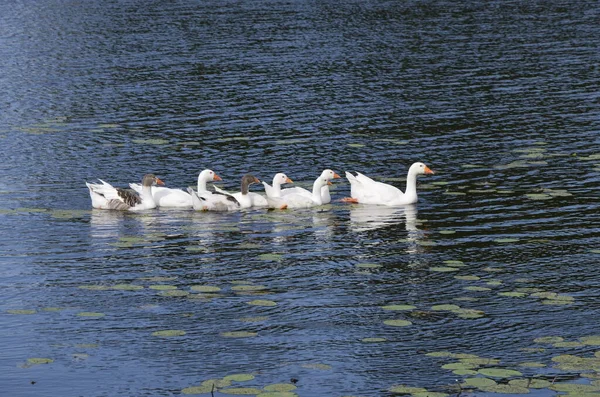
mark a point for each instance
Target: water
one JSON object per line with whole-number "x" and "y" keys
{"x": 500, "y": 98}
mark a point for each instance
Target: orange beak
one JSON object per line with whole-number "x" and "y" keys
{"x": 329, "y": 183}
{"x": 256, "y": 180}
{"x": 336, "y": 176}
{"x": 159, "y": 182}
{"x": 217, "y": 178}
{"x": 288, "y": 180}
{"x": 429, "y": 170}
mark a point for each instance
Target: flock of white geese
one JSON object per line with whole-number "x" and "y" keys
{"x": 149, "y": 195}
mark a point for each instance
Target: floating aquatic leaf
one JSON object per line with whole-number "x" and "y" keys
{"x": 494, "y": 283}
{"x": 426, "y": 243}
{"x": 454, "y": 263}
{"x": 464, "y": 372}
{"x": 217, "y": 383}
{"x": 480, "y": 361}
{"x": 271, "y": 257}
{"x": 397, "y": 323}
{"x": 506, "y": 240}
{"x": 532, "y": 349}
{"x": 574, "y": 387}
{"x": 52, "y": 309}
{"x": 398, "y": 307}
{"x": 477, "y": 289}
{"x": 447, "y": 231}
{"x": 21, "y": 311}
{"x": 513, "y": 294}
{"x": 499, "y": 372}
{"x": 319, "y": 366}
{"x": 593, "y": 340}
{"x": 467, "y": 278}
{"x": 150, "y": 141}
{"x": 532, "y": 364}
{"x": 247, "y": 288}
{"x": 262, "y": 302}
{"x": 280, "y": 387}
{"x": 39, "y": 360}
{"x": 401, "y": 389}
{"x": 492, "y": 269}
{"x": 430, "y": 394}
{"x": 538, "y": 196}
{"x": 169, "y": 333}
{"x": 241, "y": 391}
{"x": 197, "y": 390}
{"x": 174, "y": 293}
{"x": 455, "y": 193}
{"x": 368, "y": 265}
{"x": 239, "y": 334}
{"x": 534, "y": 383}
{"x": 443, "y": 269}
{"x": 277, "y": 394}
{"x": 373, "y": 340}
{"x": 163, "y": 287}
{"x": 90, "y": 314}
{"x": 205, "y": 288}
{"x": 506, "y": 389}
{"x": 445, "y": 307}
{"x": 127, "y": 287}
{"x": 440, "y": 354}
{"x": 460, "y": 365}
{"x": 239, "y": 377}
{"x": 479, "y": 382}
{"x": 158, "y": 279}
{"x": 357, "y": 145}
{"x": 549, "y": 339}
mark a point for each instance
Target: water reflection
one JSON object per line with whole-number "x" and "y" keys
{"x": 371, "y": 217}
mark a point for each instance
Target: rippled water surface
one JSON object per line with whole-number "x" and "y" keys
{"x": 501, "y": 98}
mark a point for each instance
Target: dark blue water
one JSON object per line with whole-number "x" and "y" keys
{"x": 501, "y": 98}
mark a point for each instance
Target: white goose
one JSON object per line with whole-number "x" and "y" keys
{"x": 105, "y": 196}
{"x": 278, "y": 180}
{"x": 167, "y": 197}
{"x": 245, "y": 198}
{"x": 299, "y": 199}
{"x": 325, "y": 196}
{"x": 367, "y": 191}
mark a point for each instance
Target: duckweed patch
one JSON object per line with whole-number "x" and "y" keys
{"x": 168, "y": 333}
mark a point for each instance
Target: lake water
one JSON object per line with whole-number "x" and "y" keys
{"x": 500, "y": 98}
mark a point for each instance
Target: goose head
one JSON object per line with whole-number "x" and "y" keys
{"x": 419, "y": 168}
{"x": 248, "y": 180}
{"x": 280, "y": 179}
{"x": 209, "y": 175}
{"x": 329, "y": 175}
{"x": 151, "y": 180}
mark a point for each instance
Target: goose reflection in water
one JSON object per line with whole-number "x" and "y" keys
{"x": 370, "y": 217}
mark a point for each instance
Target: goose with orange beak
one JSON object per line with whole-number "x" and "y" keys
{"x": 365, "y": 190}
{"x": 106, "y": 197}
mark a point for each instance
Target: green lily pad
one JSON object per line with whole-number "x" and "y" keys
{"x": 39, "y": 360}
{"x": 430, "y": 394}
{"x": 163, "y": 287}
{"x": 262, "y": 302}
{"x": 277, "y": 394}
{"x": 447, "y": 231}
{"x": 168, "y": 333}
{"x": 280, "y": 387}
{"x": 499, "y": 372}
{"x": 368, "y": 265}
{"x": 459, "y": 365}
{"x": 443, "y": 269}
{"x": 506, "y": 389}
{"x": 398, "y": 307}
{"x": 401, "y": 389}
{"x": 373, "y": 340}
{"x": 532, "y": 364}
{"x": 90, "y": 314}
{"x": 197, "y": 390}
{"x": 248, "y": 288}
{"x": 239, "y": 377}
{"x": 150, "y": 141}
{"x": 506, "y": 240}
{"x": 397, "y": 323}
{"x": 52, "y": 309}
{"x": 174, "y": 293}
{"x": 549, "y": 339}
{"x": 479, "y": 382}
{"x": 271, "y": 257}
{"x": 256, "y": 319}
{"x": 21, "y": 311}
{"x": 454, "y": 263}
{"x": 205, "y": 288}
{"x": 445, "y": 307}
{"x": 477, "y": 289}
{"x": 513, "y": 294}
{"x": 570, "y": 344}
{"x": 127, "y": 287}
{"x": 464, "y": 372}
{"x": 469, "y": 313}
{"x": 440, "y": 354}
{"x": 574, "y": 387}
{"x": 481, "y": 361}
{"x": 531, "y": 383}
{"x": 94, "y": 287}
{"x": 467, "y": 278}
{"x": 593, "y": 340}
{"x": 239, "y": 334}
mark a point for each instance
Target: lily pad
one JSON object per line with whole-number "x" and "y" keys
{"x": 454, "y": 263}
{"x": 262, "y": 302}
{"x": 397, "y": 323}
{"x": 127, "y": 287}
{"x": 479, "y": 382}
{"x": 513, "y": 294}
{"x": 531, "y": 383}
{"x": 477, "y": 289}
{"x": 239, "y": 334}
{"x": 549, "y": 339}
{"x": 574, "y": 387}
{"x": 443, "y": 269}
{"x": 168, "y": 333}
{"x": 506, "y": 240}
{"x": 593, "y": 340}
{"x": 248, "y": 288}
{"x": 239, "y": 377}
{"x": 532, "y": 364}
{"x": 163, "y": 287}
{"x": 90, "y": 314}
{"x": 373, "y": 340}
{"x": 506, "y": 389}
{"x": 39, "y": 360}
{"x": 204, "y": 389}
{"x": 499, "y": 372}
{"x": 94, "y": 287}
{"x": 21, "y": 311}
{"x": 401, "y": 389}
{"x": 459, "y": 365}
{"x": 282, "y": 387}
{"x": 430, "y": 394}
{"x": 398, "y": 307}
{"x": 445, "y": 307}
{"x": 368, "y": 265}
{"x": 174, "y": 293}
{"x": 467, "y": 278}
{"x": 271, "y": 257}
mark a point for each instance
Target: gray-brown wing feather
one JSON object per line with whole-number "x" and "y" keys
{"x": 129, "y": 197}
